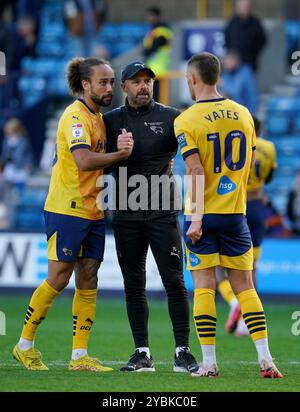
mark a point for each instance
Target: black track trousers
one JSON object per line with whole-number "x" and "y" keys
{"x": 132, "y": 242}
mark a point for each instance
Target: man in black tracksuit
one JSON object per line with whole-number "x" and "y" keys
{"x": 139, "y": 226}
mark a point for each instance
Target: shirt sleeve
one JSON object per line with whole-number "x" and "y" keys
{"x": 253, "y": 137}
{"x": 77, "y": 132}
{"x": 186, "y": 141}
{"x": 273, "y": 154}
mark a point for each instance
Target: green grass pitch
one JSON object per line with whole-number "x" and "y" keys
{"x": 111, "y": 341}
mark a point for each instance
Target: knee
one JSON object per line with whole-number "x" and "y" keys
{"x": 241, "y": 283}
{"x": 89, "y": 281}
{"x": 59, "y": 282}
{"x": 86, "y": 274}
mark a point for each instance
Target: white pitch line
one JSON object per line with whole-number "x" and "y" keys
{"x": 13, "y": 363}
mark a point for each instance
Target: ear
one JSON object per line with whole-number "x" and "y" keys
{"x": 123, "y": 87}
{"x": 85, "y": 85}
{"x": 194, "y": 79}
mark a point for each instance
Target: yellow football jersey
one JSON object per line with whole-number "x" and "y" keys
{"x": 222, "y": 132}
{"x": 72, "y": 191}
{"x": 265, "y": 162}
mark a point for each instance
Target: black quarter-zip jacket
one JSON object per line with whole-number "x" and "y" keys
{"x": 155, "y": 145}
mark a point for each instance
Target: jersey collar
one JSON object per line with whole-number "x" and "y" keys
{"x": 212, "y": 100}
{"x": 83, "y": 102}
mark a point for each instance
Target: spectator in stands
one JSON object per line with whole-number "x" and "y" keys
{"x": 84, "y": 19}
{"x": 8, "y": 10}
{"x": 239, "y": 82}
{"x": 157, "y": 45}
{"x": 293, "y": 207}
{"x": 11, "y": 10}
{"x": 18, "y": 41}
{"x": 245, "y": 33}
{"x": 30, "y": 8}
{"x": 8, "y": 201}
{"x": 16, "y": 158}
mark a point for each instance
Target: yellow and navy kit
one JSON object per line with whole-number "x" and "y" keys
{"x": 225, "y": 241}
{"x": 265, "y": 163}
{"x": 70, "y": 237}
{"x": 74, "y": 192}
{"x": 222, "y": 132}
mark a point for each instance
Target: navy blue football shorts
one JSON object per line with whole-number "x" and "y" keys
{"x": 71, "y": 237}
{"x": 225, "y": 241}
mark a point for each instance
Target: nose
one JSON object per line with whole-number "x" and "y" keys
{"x": 144, "y": 86}
{"x": 109, "y": 87}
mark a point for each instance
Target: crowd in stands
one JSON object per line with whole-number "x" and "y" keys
{"x": 39, "y": 37}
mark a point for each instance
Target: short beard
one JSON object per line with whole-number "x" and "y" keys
{"x": 136, "y": 101}
{"x": 99, "y": 101}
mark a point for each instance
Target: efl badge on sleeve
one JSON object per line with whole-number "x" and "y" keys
{"x": 77, "y": 130}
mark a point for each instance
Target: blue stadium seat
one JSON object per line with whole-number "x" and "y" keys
{"x": 287, "y": 145}
{"x": 32, "y": 88}
{"x": 277, "y": 103}
{"x": 289, "y": 163}
{"x": 29, "y": 220}
{"x": 51, "y": 49}
{"x": 118, "y": 38}
{"x": 292, "y": 30}
{"x": 43, "y": 66}
{"x": 58, "y": 87}
{"x": 278, "y": 122}
{"x": 29, "y": 212}
{"x": 296, "y": 123}
{"x": 123, "y": 47}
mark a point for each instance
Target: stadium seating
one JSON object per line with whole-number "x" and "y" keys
{"x": 282, "y": 126}
{"x": 292, "y": 30}
{"x": 119, "y": 38}
{"x": 278, "y": 123}
{"x": 287, "y": 145}
{"x": 29, "y": 211}
{"x": 45, "y": 74}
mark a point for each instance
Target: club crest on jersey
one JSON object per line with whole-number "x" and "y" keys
{"x": 155, "y": 127}
{"x": 194, "y": 260}
{"x": 77, "y": 130}
{"x": 225, "y": 186}
{"x": 181, "y": 140}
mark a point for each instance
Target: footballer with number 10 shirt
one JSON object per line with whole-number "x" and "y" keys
{"x": 217, "y": 141}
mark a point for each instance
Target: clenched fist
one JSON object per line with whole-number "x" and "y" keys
{"x": 125, "y": 143}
